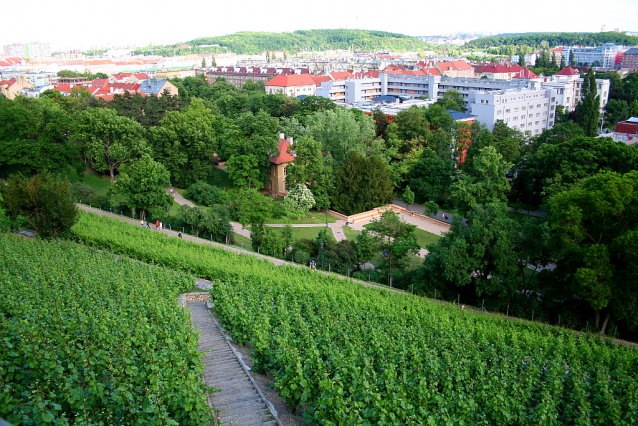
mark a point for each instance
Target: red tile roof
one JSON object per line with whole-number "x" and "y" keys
{"x": 340, "y": 75}
{"x": 568, "y": 71}
{"x": 9, "y": 82}
{"x": 284, "y": 156}
{"x": 526, "y": 73}
{"x": 318, "y": 79}
{"x": 291, "y": 80}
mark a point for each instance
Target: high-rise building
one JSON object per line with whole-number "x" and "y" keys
{"x": 34, "y": 50}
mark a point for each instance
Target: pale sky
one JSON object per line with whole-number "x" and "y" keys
{"x": 76, "y": 24}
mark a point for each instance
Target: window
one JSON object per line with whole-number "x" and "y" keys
{"x": 522, "y": 126}
{"x": 515, "y": 119}
{"x": 515, "y": 109}
{"x": 507, "y": 111}
{"x": 499, "y": 112}
{"x": 538, "y": 114}
{"x": 523, "y": 108}
{"x": 285, "y": 170}
{"x": 507, "y": 120}
{"x": 530, "y": 116}
{"x": 531, "y": 107}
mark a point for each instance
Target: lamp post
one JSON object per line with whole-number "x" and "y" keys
{"x": 321, "y": 255}
{"x": 326, "y": 217}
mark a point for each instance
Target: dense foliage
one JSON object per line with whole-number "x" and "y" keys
{"x": 350, "y": 354}
{"x": 90, "y": 338}
{"x": 43, "y": 201}
{"x": 553, "y": 39}
{"x": 248, "y": 42}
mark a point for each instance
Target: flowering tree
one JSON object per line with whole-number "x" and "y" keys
{"x": 299, "y": 200}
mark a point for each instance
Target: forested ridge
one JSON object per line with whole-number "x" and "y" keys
{"x": 251, "y": 42}
{"x": 553, "y": 39}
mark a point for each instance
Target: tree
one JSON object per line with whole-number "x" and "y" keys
{"x": 253, "y": 209}
{"x": 408, "y": 196}
{"x": 110, "y": 140}
{"x": 507, "y": 141}
{"x": 206, "y": 194}
{"x": 486, "y": 182}
{"x": 395, "y": 238}
{"x": 431, "y": 176}
{"x": 244, "y": 171}
{"x": 340, "y": 132}
{"x": 299, "y": 200}
{"x": 144, "y": 181}
{"x": 616, "y": 111}
{"x": 588, "y": 109}
{"x": 361, "y": 184}
{"x": 572, "y": 58}
{"x": 43, "y": 200}
{"x": 453, "y": 99}
{"x": 34, "y": 137}
{"x": 478, "y": 253}
{"x": 185, "y": 142}
{"x": 552, "y": 167}
{"x": 595, "y": 226}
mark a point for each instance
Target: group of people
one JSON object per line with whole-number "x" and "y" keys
{"x": 313, "y": 264}
{"x": 158, "y": 225}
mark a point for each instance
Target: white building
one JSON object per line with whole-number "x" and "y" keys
{"x": 605, "y": 55}
{"x": 350, "y": 91}
{"x": 528, "y": 110}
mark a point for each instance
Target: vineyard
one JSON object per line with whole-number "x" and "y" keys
{"x": 91, "y": 339}
{"x": 347, "y": 354}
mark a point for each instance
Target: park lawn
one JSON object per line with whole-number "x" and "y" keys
{"x": 350, "y": 233}
{"x": 309, "y": 233}
{"x": 242, "y": 242}
{"x": 315, "y": 217}
{"x": 424, "y": 238}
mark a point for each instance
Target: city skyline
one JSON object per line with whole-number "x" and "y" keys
{"x": 74, "y": 26}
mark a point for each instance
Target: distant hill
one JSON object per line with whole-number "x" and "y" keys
{"x": 248, "y": 42}
{"x": 554, "y": 39}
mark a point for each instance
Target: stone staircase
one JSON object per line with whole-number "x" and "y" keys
{"x": 240, "y": 402}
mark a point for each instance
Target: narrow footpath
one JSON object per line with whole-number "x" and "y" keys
{"x": 239, "y": 402}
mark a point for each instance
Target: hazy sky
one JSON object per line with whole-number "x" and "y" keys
{"x": 75, "y": 24}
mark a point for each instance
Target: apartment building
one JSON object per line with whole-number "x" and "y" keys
{"x": 350, "y": 91}
{"x": 238, "y": 76}
{"x": 606, "y": 55}
{"x": 530, "y": 110}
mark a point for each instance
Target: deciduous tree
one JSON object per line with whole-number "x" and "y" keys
{"x": 43, "y": 200}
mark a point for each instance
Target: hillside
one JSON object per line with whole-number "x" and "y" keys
{"x": 554, "y": 39}
{"x": 248, "y": 42}
{"x": 347, "y": 354}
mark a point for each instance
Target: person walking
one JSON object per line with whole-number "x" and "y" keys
{"x": 179, "y": 235}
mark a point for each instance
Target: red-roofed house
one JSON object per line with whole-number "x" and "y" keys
{"x": 318, "y": 79}
{"x": 340, "y": 75}
{"x": 128, "y": 77}
{"x": 525, "y": 73}
{"x": 500, "y": 72}
{"x": 279, "y": 167}
{"x": 11, "y": 88}
{"x": 455, "y": 69}
{"x": 292, "y": 85}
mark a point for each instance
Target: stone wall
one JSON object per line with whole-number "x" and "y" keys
{"x": 193, "y": 297}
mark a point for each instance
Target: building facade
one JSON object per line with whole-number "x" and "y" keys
{"x": 604, "y": 56}
{"x": 529, "y": 110}
{"x": 279, "y": 167}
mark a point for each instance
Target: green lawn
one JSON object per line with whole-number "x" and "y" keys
{"x": 310, "y": 233}
{"x": 243, "y": 242}
{"x": 350, "y": 233}
{"x": 424, "y": 237}
{"x": 316, "y": 217}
